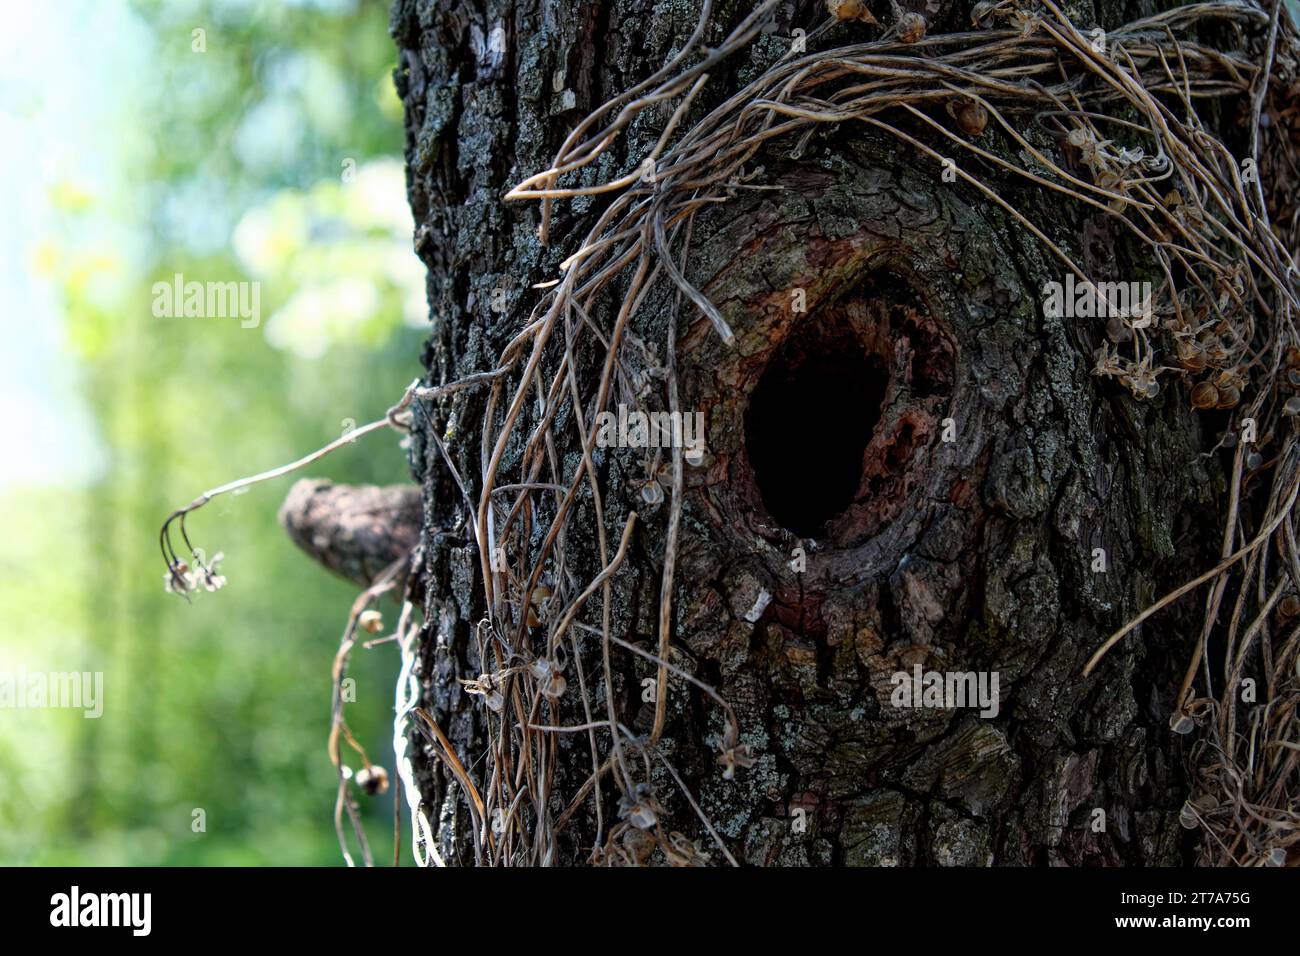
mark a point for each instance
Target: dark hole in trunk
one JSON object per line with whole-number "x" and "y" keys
{"x": 809, "y": 420}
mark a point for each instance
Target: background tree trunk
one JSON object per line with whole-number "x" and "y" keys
{"x": 975, "y": 554}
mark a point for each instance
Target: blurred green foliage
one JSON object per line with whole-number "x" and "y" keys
{"x": 272, "y": 155}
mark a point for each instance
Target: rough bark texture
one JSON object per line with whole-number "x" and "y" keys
{"x": 975, "y": 554}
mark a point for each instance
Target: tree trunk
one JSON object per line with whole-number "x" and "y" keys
{"x": 908, "y": 465}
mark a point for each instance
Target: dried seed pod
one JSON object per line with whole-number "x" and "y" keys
{"x": 1195, "y": 808}
{"x": 641, "y": 814}
{"x": 372, "y": 780}
{"x": 1215, "y": 353}
{"x": 850, "y": 10}
{"x": 911, "y": 27}
{"x": 1205, "y": 395}
{"x": 1288, "y": 609}
{"x": 1229, "y": 397}
{"x": 535, "y": 603}
{"x": 1293, "y": 377}
{"x": 651, "y": 493}
{"x": 554, "y": 686}
{"x": 1191, "y": 356}
{"x": 1117, "y": 330}
{"x": 371, "y": 621}
{"x": 1292, "y": 406}
{"x": 1254, "y": 460}
{"x": 971, "y": 117}
{"x": 638, "y": 844}
{"x": 1108, "y": 179}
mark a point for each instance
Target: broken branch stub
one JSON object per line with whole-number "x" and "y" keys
{"x": 356, "y": 531}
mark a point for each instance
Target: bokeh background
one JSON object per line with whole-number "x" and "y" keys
{"x": 270, "y": 155}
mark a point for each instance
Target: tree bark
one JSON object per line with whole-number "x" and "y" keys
{"x": 1011, "y": 539}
